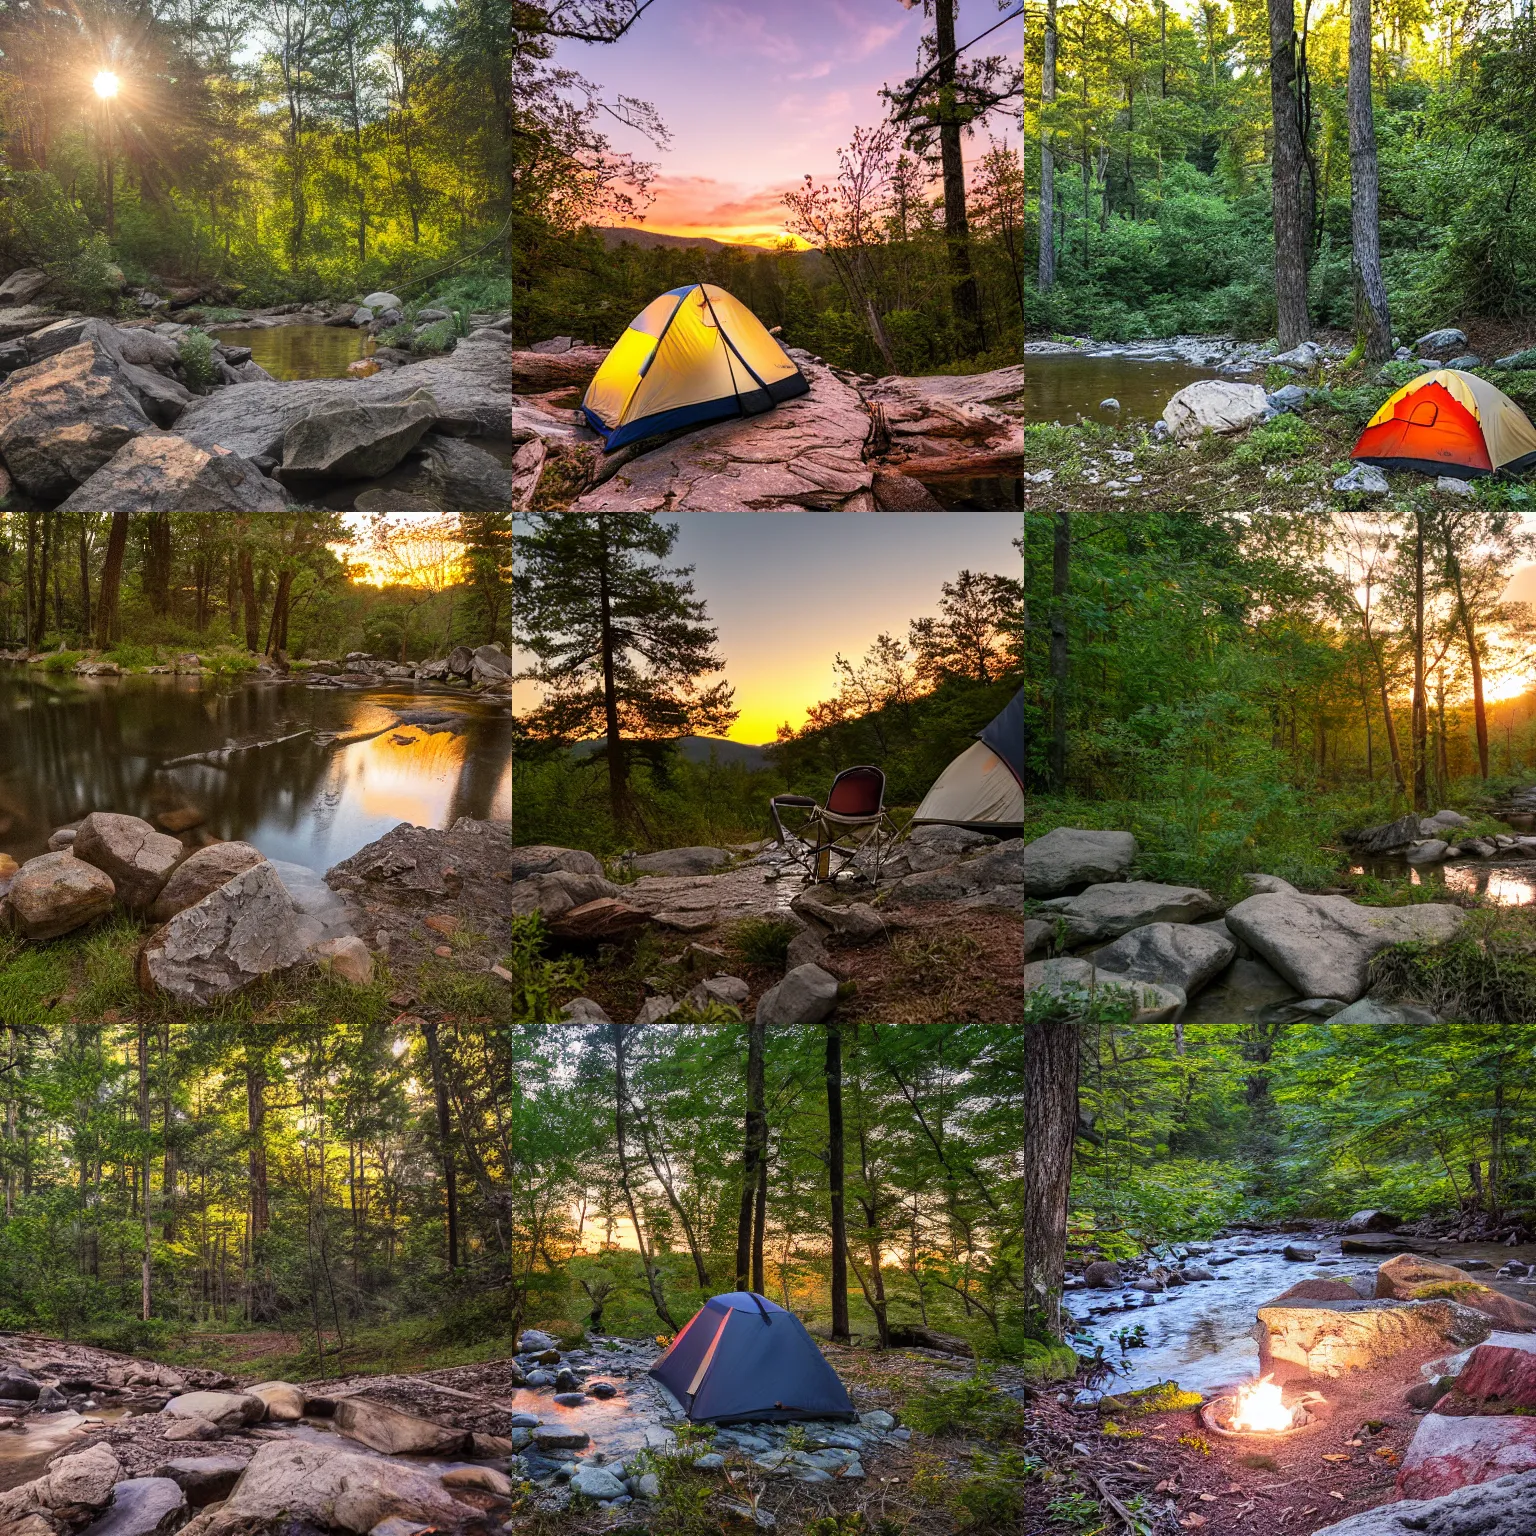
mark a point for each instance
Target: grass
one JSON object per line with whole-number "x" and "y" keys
{"x": 1485, "y": 974}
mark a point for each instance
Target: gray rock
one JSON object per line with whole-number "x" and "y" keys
{"x": 1213, "y": 405}
{"x": 1525, "y": 359}
{"x": 656, "y": 1010}
{"x": 23, "y": 285}
{"x": 1300, "y": 359}
{"x": 56, "y": 893}
{"x": 382, "y": 300}
{"x": 554, "y": 346}
{"x": 1269, "y": 884}
{"x": 1066, "y": 976}
{"x": 1432, "y": 851}
{"x": 203, "y": 1479}
{"x": 1442, "y": 821}
{"x": 362, "y": 315}
{"x": 1504, "y": 1507}
{"x": 1365, "y": 480}
{"x": 559, "y": 1437}
{"x": 1465, "y": 361}
{"x": 142, "y": 1506}
{"x": 596, "y": 1483}
{"x": 1391, "y": 837}
{"x": 558, "y": 892}
{"x": 1070, "y": 856}
{"x": 1290, "y": 397}
{"x": 807, "y": 995}
{"x": 1444, "y": 343}
{"x": 227, "y": 1410}
{"x": 1109, "y": 403}
{"x": 536, "y": 858}
{"x": 731, "y": 990}
{"x": 465, "y": 478}
{"x": 1368, "y": 1010}
{"x": 853, "y": 922}
{"x": 158, "y": 472}
{"x": 1451, "y": 485}
{"x": 806, "y": 948}
{"x": 345, "y": 441}
{"x": 1169, "y": 955}
{"x": 582, "y": 1010}
{"x": 199, "y": 874}
{"x": 1107, "y": 911}
{"x": 681, "y": 861}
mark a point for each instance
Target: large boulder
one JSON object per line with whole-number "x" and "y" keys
{"x": 1389, "y": 836}
{"x": 1373, "y": 1219}
{"x": 1070, "y": 858}
{"x": 1066, "y": 976}
{"x": 489, "y": 664}
{"x": 1412, "y": 1278}
{"x": 294, "y": 1484}
{"x": 244, "y": 930}
{"x": 465, "y": 478}
{"x": 681, "y": 861}
{"x": 158, "y": 472}
{"x": 1450, "y": 1453}
{"x": 61, "y": 419}
{"x": 138, "y": 858}
{"x": 542, "y": 858}
{"x": 536, "y": 371}
{"x": 1107, "y": 911}
{"x": 1443, "y": 343}
{"x": 285, "y": 1402}
{"x": 199, "y": 875}
{"x": 1332, "y": 1338}
{"x": 559, "y": 892}
{"x": 1501, "y": 1370}
{"x": 1213, "y": 405}
{"x": 395, "y": 1433}
{"x": 229, "y": 1410}
{"x": 807, "y": 995}
{"x": 1504, "y": 1507}
{"x": 56, "y": 893}
{"x": 1169, "y": 955}
{"x": 204, "y": 1479}
{"x": 142, "y": 1506}
{"x": 23, "y": 285}
{"x": 1323, "y": 945}
{"x": 345, "y": 441}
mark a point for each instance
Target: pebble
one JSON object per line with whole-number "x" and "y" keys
{"x": 570, "y": 1399}
{"x": 525, "y": 1421}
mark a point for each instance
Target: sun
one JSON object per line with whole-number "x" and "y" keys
{"x": 105, "y": 84}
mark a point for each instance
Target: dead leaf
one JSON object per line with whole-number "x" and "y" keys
{"x": 1337, "y": 1456}
{"x": 1207, "y": 1498}
{"x": 1192, "y": 1522}
{"x": 1333, "y": 1495}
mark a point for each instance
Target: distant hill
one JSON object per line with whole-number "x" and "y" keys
{"x": 648, "y": 239}
{"x": 696, "y": 749}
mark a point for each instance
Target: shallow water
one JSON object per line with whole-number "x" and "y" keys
{"x": 327, "y": 770}
{"x": 1506, "y": 885}
{"x": 988, "y": 493}
{"x": 1201, "y": 1335}
{"x": 1067, "y": 387}
{"x": 25, "y": 1452}
{"x": 300, "y": 351}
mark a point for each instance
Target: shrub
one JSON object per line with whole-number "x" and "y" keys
{"x": 434, "y": 339}
{"x": 199, "y": 366}
{"x": 971, "y": 1406}
{"x": 764, "y": 940}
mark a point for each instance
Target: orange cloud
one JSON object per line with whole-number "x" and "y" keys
{"x": 703, "y": 206}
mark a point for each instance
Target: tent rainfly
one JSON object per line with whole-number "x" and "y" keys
{"x": 740, "y": 1358}
{"x": 983, "y": 789}
{"x": 1447, "y": 422}
{"x": 696, "y": 354}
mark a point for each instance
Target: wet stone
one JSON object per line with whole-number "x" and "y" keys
{"x": 570, "y": 1399}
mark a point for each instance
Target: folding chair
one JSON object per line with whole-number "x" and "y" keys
{"x": 852, "y": 822}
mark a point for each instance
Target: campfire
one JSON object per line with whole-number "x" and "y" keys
{"x": 1259, "y": 1408}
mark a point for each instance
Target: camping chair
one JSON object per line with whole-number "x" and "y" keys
{"x": 852, "y": 822}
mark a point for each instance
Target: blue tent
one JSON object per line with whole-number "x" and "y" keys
{"x": 741, "y": 1358}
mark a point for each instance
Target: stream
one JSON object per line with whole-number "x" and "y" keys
{"x": 1067, "y": 386}
{"x": 1505, "y": 885}
{"x": 1201, "y": 1335}
{"x": 299, "y": 351}
{"x": 26, "y": 1451}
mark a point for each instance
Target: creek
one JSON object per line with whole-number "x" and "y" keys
{"x": 300, "y": 351}
{"x": 1505, "y": 885}
{"x": 1067, "y": 387}
{"x": 307, "y": 775}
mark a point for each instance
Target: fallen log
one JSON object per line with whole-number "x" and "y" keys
{"x": 540, "y": 372}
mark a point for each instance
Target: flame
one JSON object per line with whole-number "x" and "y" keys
{"x": 1258, "y": 1406}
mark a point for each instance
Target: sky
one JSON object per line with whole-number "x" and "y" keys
{"x": 758, "y": 94}
{"x": 787, "y": 591}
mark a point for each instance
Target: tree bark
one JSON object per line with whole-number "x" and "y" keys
{"x": 111, "y": 580}
{"x": 1047, "y": 267}
{"x": 1474, "y": 649}
{"x": 1293, "y": 233}
{"x": 1372, "y": 315}
{"x": 966, "y": 297}
{"x": 1050, "y": 1124}
{"x": 248, "y": 600}
{"x": 620, "y": 1098}
{"x": 444, "y": 1139}
{"x": 144, "y": 1157}
{"x": 1061, "y": 576}
{"x": 618, "y": 766}
{"x": 835, "y": 1182}
{"x": 85, "y": 577}
{"x": 755, "y": 1137}
{"x": 1420, "y": 703}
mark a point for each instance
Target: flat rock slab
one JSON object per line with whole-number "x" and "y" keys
{"x": 959, "y": 389}
{"x": 1449, "y": 1453}
{"x": 535, "y": 372}
{"x": 1504, "y": 1507}
{"x": 1180, "y": 955}
{"x": 710, "y": 899}
{"x": 1332, "y": 1338}
{"x": 803, "y": 455}
{"x": 142, "y": 1506}
{"x": 1071, "y": 857}
{"x": 1107, "y": 911}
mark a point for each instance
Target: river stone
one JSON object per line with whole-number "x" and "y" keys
{"x": 161, "y": 472}
{"x": 84, "y": 1479}
{"x": 681, "y": 861}
{"x": 1316, "y": 1290}
{"x": 600, "y": 1483}
{"x": 1450, "y": 1453}
{"x": 395, "y": 1433}
{"x": 245, "y": 929}
{"x": 1169, "y": 955}
{"x": 199, "y": 874}
{"x": 204, "y": 1479}
{"x": 465, "y": 478}
{"x": 381, "y": 300}
{"x": 138, "y": 858}
{"x": 1504, "y": 1507}
{"x": 1322, "y": 945}
{"x": 1213, "y": 405}
{"x": 142, "y": 1506}
{"x": 559, "y": 1437}
{"x": 62, "y": 418}
{"x": 192, "y": 1429}
{"x": 1431, "y": 851}
{"x": 354, "y": 441}
{"x": 23, "y": 285}
{"x": 56, "y": 892}
{"x": 1372, "y": 1219}
{"x": 1102, "y": 1275}
{"x": 1107, "y": 911}
{"x": 1369, "y": 1010}
{"x": 1409, "y": 1277}
{"x": 470, "y": 388}
{"x": 1070, "y": 857}
{"x": 1066, "y": 974}
{"x": 807, "y": 995}
{"x": 487, "y": 1479}
{"x": 285, "y": 1402}
{"x": 346, "y": 958}
{"x": 229, "y": 1410}
{"x": 1332, "y": 1338}
{"x": 290, "y": 1481}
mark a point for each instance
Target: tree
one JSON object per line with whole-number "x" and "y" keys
{"x": 974, "y": 633}
{"x": 111, "y": 581}
{"x": 836, "y": 1174}
{"x": 1050, "y": 1127}
{"x": 1372, "y": 311}
{"x": 619, "y": 639}
{"x": 1047, "y": 275}
{"x": 1293, "y": 224}
{"x": 749, "y": 1225}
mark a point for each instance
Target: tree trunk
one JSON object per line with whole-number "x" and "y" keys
{"x": 1372, "y": 315}
{"x": 1420, "y": 703}
{"x": 1050, "y": 1123}
{"x": 1061, "y": 575}
{"x": 966, "y": 297}
{"x": 144, "y": 1155}
{"x": 40, "y": 607}
{"x": 1293, "y": 232}
{"x": 755, "y": 1139}
{"x": 1474, "y": 650}
{"x": 444, "y": 1139}
{"x": 85, "y": 579}
{"x": 157, "y": 563}
{"x": 111, "y": 580}
{"x": 248, "y": 600}
{"x": 277, "y": 631}
{"x": 620, "y": 1098}
{"x": 1047, "y": 269}
{"x": 835, "y": 1181}
{"x": 618, "y": 767}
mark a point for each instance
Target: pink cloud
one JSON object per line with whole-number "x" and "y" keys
{"x": 727, "y": 29}
{"x": 815, "y": 72}
{"x": 685, "y": 204}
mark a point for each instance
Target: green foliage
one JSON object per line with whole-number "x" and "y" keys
{"x": 764, "y": 940}
{"x": 970, "y": 1406}
{"x": 435, "y": 339}
{"x": 991, "y": 1498}
{"x": 1165, "y": 1397}
{"x": 199, "y": 365}
{"x": 62, "y": 661}
{"x": 1277, "y": 441}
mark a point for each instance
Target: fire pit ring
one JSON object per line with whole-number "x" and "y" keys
{"x": 1308, "y": 1411}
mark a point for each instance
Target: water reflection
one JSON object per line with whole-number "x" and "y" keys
{"x": 300, "y": 351}
{"x": 345, "y": 772}
{"x": 1065, "y": 387}
{"x": 1505, "y": 885}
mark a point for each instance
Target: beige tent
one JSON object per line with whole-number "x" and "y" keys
{"x": 983, "y": 788}
{"x": 694, "y": 355}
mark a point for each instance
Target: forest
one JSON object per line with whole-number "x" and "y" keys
{"x": 909, "y": 260}
{"x": 265, "y": 153}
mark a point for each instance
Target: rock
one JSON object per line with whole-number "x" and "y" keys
{"x": 204, "y": 1479}
{"x": 346, "y": 958}
{"x": 1466, "y": 361}
{"x": 395, "y": 1433}
{"x": 285, "y": 1402}
{"x": 1316, "y": 1290}
{"x": 191, "y": 1429}
{"x": 158, "y": 472}
{"x": 470, "y": 389}
{"x": 1363, "y": 480}
{"x": 1391, "y": 837}
{"x": 1213, "y": 405}
{"x": 559, "y": 1437}
{"x": 533, "y": 1341}
{"x": 854, "y": 922}
{"x": 1450, "y": 485}
{"x": 288, "y": 1481}
{"x": 1369, "y": 1010}
{"x": 1107, "y": 911}
{"x": 806, "y": 454}
{"x": 352, "y": 441}
{"x": 1450, "y": 1453}
{"x": 1503, "y": 1507}
{"x": 63, "y": 418}
{"x": 56, "y": 893}
{"x": 1332, "y": 1338}
{"x": 1323, "y": 944}
{"x": 1065, "y": 976}
{"x": 1432, "y": 851}
{"x": 681, "y": 861}
{"x": 199, "y": 874}
{"x": 656, "y": 1010}
{"x": 1371, "y": 1220}
{"x": 466, "y": 478}
{"x": 1289, "y": 397}
{"x": 18, "y": 1388}
{"x": 582, "y": 1010}
{"x": 1442, "y": 821}
{"x": 1297, "y": 1254}
{"x": 1102, "y": 1275}
{"x": 557, "y": 893}
{"x": 381, "y": 300}
{"x": 487, "y": 1479}
{"x": 245, "y": 929}
{"x": 1300, "y": 359}
{"x": 1409, "y": 1277}
{"x": 226, "y": 1410}
{"x": 1500, "y": 1373}
{"x": 361, "y": 316}
{"x": 896, "y": 491}
{"x": 807, "y": 995}
{"x": 142, "y": 1506}
{"x": 806, "y": 948}
{"x": 605, "y": 920}
{"x": 599, "y": 1483}
{"x": 1070, "y": 858}
{"x": 730, "y": 990}
{"x": 1524, "y": 359}
{"x": 163, "y": 399}
{"x": 490, "y": 665}
{"x": 1168, "y": 955}
{"x": 23, "y": 285}
{"x": 1443, "y": 343}
{"x": 138, "y": 858}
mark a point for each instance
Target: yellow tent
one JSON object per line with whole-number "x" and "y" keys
{"x": 696, "y": 354}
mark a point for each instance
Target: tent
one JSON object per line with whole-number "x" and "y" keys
{"x": 741, "y": 1358}
{"x": 696, "y": 354}
{"x": 983, "y": 789}
{"x": 1449, "y": 423}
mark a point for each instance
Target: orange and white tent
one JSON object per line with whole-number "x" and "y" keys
{"x": 695, "y": 354}
{"x": 1449, "y": 423}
